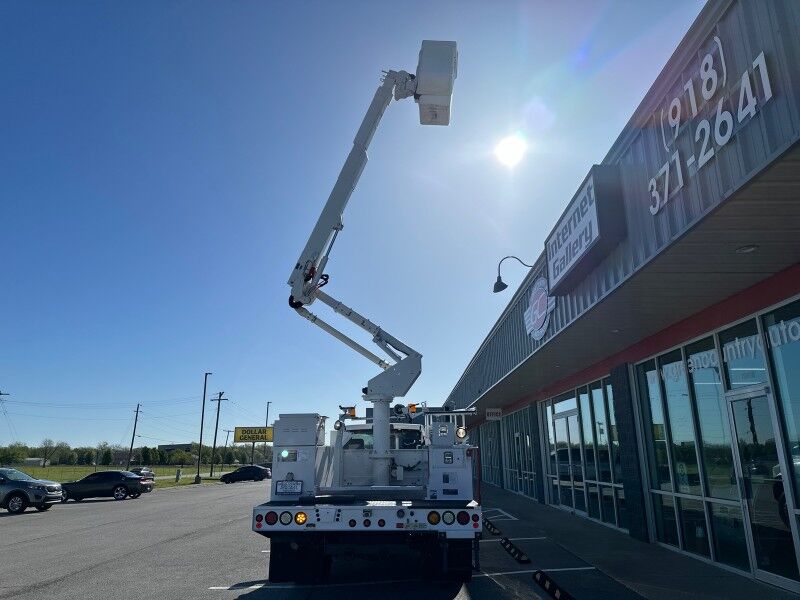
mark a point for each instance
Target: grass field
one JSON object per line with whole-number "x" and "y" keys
{"x": 62, "y": 473}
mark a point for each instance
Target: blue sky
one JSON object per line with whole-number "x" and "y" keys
{"x": 162, "y": 163}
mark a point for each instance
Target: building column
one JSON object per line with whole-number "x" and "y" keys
{"x": 629, "y": 452}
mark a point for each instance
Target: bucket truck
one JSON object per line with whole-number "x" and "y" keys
{"x": 401, "y": 480}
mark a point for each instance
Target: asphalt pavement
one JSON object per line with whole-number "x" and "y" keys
{"x": 196, "y": 542}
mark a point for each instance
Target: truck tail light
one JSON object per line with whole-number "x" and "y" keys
{"x": 381, "y": 523}
{"x": 448, "y": 517}
{"x": 367, "y": 522}
{"x": 271, "y": 518}
{"x": 300, "y": 518}
{"x": 476, "y": 517}
{"x": 352, "y": 522}
{"x": 463, "y": 517}
{"x": 433, "y": 517}
{"x": 286, "y": 517}
{"x": 259, "y": 518}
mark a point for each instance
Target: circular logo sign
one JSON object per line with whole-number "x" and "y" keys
{"x": 540, "y": 305}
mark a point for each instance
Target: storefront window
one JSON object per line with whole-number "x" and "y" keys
{"x": 551, "y": 439}
{"x": 588, "y": 434}
{"x": 601, "y": 432}
{"x": 666, "y": 527}
{"x": 783, "y": 334}
{"x": 704, "y": 373}
{"x": 729, "y": 541}
{"x": 743, "y": 355}
{"x": 613, "y": 434}
{"x": 679, "y": 409}
{"x": 565, "y": 402}
{"x": 693, "y": 521}
{"x": 650, "y": 393}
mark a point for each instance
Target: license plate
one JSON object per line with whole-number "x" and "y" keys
{"x": 288, "y": 487}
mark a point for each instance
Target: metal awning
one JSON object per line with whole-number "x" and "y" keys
{"x": 699, "y": 269}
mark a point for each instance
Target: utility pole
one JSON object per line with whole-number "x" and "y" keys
{"x": 219, "y": 401}
{"x": 227, "y": 433}
{"x": 266, "y": 425}
{"x": 3, "y": 408}
{"x": 197, "y": 478}
{"x": 130, "y": 452}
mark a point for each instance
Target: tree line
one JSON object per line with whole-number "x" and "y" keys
{"x": 61, "y": 453}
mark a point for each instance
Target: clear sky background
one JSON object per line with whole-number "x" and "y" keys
{"x": 162, "y": 164}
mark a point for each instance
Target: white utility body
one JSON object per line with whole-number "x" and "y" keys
{"x": 400, "y": 479}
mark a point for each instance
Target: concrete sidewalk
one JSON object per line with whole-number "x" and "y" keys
{"x": 650, "y": 570}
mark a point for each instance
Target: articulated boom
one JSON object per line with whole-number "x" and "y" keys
{"x": 431, "y": 87}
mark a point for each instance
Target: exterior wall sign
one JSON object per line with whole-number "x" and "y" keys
{"x": 494, "y": 414}
{"x": 574, "y": 234}
{"x": 710, "y": 108}
{"x": 540, "y": 305}
{"x": 590, "y": 227}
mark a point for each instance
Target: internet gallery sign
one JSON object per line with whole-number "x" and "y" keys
{"x": 590, "y": 227}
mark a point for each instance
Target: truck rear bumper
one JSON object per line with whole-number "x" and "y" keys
{"x": 400, "y": 521}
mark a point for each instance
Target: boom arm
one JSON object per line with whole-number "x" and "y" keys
{"x": 431, "y": 88}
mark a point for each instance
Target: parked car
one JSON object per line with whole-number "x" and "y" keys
{"x": 18, "y": 491}
{"x": 247, "y": 473}
{"x": 104, "y": 484}
{"x": 148, "y": 478}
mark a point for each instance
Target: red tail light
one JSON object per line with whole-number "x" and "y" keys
{"x": 475, "y": 517}
{"x": 271, "y": 518}
{"x": 462, "y": 517}
{"x": 259, "y": 518}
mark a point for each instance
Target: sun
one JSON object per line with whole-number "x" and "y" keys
{"x": 510, "y": 150}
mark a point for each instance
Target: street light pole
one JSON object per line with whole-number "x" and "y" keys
{"x": 266, "y": 425}
{"x": 227, "y": 433}
{"x": 197, "y": 478}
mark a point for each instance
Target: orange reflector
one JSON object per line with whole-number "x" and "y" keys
{"x": 433, "y": 517}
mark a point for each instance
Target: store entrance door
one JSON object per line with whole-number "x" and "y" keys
{"x": 570, "y": 466}
{"x": 760, "y": 464}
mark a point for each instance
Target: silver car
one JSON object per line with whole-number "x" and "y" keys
{"x": 19, "y": 490}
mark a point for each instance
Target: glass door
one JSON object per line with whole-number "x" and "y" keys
{"x": 564, "y": 464}
{"x": 576, "y": 463}
{"x": 760, "y": 468}
{"x": 570, "y": 465}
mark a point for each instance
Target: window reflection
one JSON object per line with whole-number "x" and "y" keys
{"x": 704, "y": 372}
{"x": 588, "y": 435}
{"x": 783, "y": 335}
{"x": 684, "y": 452}
{"x": 743, "y": 355}
{"x": 613, "y": 433}
{"x": 601, "y": 432}
{"x": 656, "y": 432}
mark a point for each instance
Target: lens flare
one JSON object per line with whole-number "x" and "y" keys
{"x": 510, "y": 150}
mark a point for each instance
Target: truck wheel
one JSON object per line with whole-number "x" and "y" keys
{"x": 17, "y": 504}
{"x": 282, "y": 566}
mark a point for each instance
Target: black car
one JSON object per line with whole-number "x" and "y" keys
{"x": 103, "y": 484}
{"x": 248, "y": 473}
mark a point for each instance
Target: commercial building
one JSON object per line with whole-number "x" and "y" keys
{"x": 647, "y": 370}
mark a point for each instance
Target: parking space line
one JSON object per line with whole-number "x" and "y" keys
{"x": 541, "y": 537}
{"x": 506, "y": 516}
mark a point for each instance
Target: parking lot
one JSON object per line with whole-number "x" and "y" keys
{"x": 196, "y": 542}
